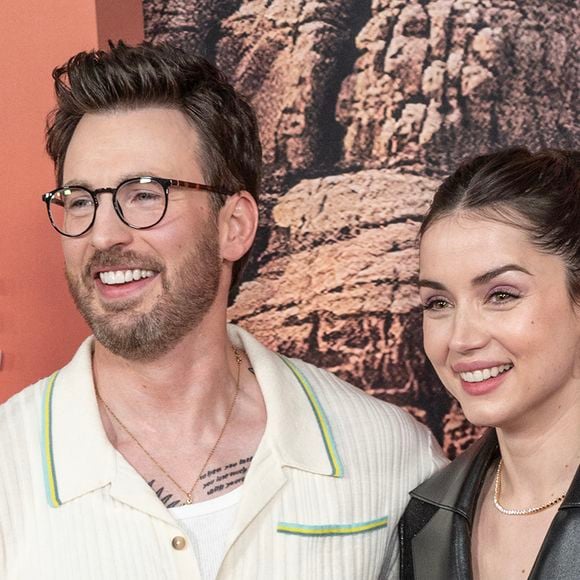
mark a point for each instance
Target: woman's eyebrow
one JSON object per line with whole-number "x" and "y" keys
{"x": 431, "y": 284}
{"x": 488, "y": 276}
{"x": 478, "y": 280}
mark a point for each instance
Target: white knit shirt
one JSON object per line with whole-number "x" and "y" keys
{"x": 321, "y": 499}
{"x": 207, "y": 525}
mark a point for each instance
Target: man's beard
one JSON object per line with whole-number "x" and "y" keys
{"x": 184, "y": 302}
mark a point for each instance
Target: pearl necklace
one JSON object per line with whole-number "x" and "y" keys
{"x": 520, "y": 512}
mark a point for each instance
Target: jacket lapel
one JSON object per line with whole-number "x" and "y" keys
{"x": 444, "y": 544}
{"x": 559, "y": 556}
{"x": 457, "y": 487}
{"x": 442, "y": 548}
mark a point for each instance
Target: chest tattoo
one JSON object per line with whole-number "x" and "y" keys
{"x": 213, "y": 481}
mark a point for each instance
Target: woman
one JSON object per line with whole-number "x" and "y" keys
{"x": 500, "y": 286}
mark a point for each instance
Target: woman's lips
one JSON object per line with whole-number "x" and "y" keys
{"x": 482, "y": 384}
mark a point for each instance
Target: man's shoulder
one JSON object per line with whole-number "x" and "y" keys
{"x": 31, "y": 400}
{"x": 23, "y": 407}
{"x": 21, "y": 427}
{"x": 369, "y": 433}
{"x": 351, "y": 407}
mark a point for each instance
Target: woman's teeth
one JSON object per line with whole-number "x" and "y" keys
{"x": 123, "y": 276}
{"x": 484, "y": 374}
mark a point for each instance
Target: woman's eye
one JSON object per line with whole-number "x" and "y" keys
{"x": 436, "y": 304}
{"x": 502, "y": 296}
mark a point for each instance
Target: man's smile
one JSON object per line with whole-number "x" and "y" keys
{"x": 123, "y": 276}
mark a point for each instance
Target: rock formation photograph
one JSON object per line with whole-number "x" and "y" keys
{"x": 364, "y": 107}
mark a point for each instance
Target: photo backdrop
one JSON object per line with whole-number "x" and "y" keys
{"x": 364, "y": 107}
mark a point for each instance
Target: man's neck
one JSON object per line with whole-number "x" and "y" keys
{"x": 198, "y": 374}
{"x": 183, "y": 414}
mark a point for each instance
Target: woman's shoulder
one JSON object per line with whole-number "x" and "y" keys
{"x": 452, "y": 491}
{"x": 456, "y": 486}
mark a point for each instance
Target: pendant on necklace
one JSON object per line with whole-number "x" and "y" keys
{"x": 188, "y": 499}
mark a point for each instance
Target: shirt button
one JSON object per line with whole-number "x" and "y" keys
{"x": 178, "y": 542}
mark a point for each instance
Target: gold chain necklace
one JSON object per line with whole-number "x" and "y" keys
{"x": 188, "y": 494}
{"x": 520, "y": 512}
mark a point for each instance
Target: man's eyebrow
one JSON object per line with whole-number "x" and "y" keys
{"x": 488, "y": 276}
{"x": 87, "y": 185}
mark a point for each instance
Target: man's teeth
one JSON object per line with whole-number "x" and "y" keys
{"x": 484, "y": 374}
{"x": 123, "y": 276}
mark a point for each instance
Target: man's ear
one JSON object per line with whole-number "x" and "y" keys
{"x": 238, "y": 225}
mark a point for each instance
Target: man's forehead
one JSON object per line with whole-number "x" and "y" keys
{"x": 125, "y": 143}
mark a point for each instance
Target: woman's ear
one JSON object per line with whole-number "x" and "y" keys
{"x": 238, "y": 224}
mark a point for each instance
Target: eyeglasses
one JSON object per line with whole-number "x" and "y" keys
{"x": 140, "y": 203}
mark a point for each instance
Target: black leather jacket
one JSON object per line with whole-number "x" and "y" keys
{"x": 436, "y": 527}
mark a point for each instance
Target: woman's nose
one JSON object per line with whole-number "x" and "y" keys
{"x": 469, "y": 331}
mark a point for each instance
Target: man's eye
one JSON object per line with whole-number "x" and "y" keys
{"x": 79, "y": 203}
{"x": 144, "y": 196}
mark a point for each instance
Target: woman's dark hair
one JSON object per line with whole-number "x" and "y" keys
{"x": 132, "y": 77}
{"x": 536, "y": 192}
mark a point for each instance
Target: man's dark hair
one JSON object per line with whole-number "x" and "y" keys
{"x": 132, "y": 77}
{"x": 538, "y": 193}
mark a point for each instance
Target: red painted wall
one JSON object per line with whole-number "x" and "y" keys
{"x": 39, "y": 327}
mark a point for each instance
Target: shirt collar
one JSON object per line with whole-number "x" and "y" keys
{"x": 78, "y": 457}
{"x": 297, "y": 426}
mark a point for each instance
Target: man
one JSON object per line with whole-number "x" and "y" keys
{"x": 173, "y": 445}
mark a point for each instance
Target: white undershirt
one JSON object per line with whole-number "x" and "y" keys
{"x": 207, "y": 525}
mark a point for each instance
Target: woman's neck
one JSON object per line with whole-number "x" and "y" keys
{"x": 540, "y": 460}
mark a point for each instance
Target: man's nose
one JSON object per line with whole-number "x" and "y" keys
{"x": 469, "y": 331}
{"x": 108, "y": 230}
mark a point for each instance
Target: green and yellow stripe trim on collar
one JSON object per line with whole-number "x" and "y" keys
{"x": 47, "y": 453}
{"x": 332, "y": 530}
{"x": 337, "y": 469}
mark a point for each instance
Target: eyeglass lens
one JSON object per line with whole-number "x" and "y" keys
{"x": 140, "y": 203}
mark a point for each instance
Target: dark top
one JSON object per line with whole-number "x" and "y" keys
{"x": 435, "y": 530}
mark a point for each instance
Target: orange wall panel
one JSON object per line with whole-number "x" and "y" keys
{"x": 119, "y": 20}
{"x": 39, "y": 326}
